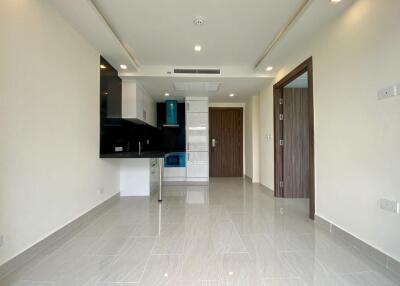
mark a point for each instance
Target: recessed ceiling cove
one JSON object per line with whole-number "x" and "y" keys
{"x": 235, "y": 33}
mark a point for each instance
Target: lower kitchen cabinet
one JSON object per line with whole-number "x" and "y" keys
{"x": 138, "y": 176}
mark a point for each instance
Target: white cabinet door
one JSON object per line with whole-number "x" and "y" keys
{"x": 137, "y": 104}
{"x": 197, "y": 165}
{"x": 150, "y": 113}
{"x": 129, "y": 100}
{"x": 197, "y": 131}
{"x": 140, "y": 112}
{"x": 197, "y": 106}
{"x": 197, "y": 120}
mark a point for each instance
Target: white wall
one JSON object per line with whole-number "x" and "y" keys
{"x": 266, "y": 137}
{"x": 357, "y": 137}
{"x": 236, "y": 104}
{"x": 252, "y": 131}
{"x": 256, "y": 138}
{"x": 248, "y": 131}
{"x": 50, "y": 170}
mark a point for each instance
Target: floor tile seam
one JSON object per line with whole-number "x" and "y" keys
{"x": 146, "y": 263}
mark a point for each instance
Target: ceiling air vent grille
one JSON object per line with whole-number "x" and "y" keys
{"x": 197, "y": 71}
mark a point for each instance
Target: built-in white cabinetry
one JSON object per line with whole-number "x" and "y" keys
{"x": 197, "y": 131}
{"x": 174, "y": 174}
{"x": 137, "y": 104}
{"x": 197, "y": 164}
{"x": 196, "y": 105}
{"x": 139, "y": 176}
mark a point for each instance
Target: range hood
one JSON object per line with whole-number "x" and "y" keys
{"x": 171, "y": 114}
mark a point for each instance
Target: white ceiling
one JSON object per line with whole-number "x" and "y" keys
{"x": 302, "y": 33}
{"x": 236, "y": 32}
{"x": 241, "y": 87}
{"x": 154, "y": 36}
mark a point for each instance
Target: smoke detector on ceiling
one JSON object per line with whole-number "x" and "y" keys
{"x": 199, "y": 21}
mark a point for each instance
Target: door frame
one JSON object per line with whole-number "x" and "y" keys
{"x": 242, "y": 110}
{"x": 306, "y": 66}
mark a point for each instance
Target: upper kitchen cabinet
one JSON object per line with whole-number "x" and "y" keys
{"x": 137, "y": 105}
{"x": 110, "y": 91}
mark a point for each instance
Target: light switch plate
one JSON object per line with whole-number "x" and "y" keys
{"x": 387, "y": 92}
{"x": 391, "y": 206}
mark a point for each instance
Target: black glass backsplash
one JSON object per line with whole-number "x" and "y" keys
{"x": 172, "y": 139}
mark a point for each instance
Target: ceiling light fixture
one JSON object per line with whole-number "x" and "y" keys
{"x": 198, "y": 21}
{"x": 232, "y": 95}
{"x": 166, "y": 94}
{"x": 336, "y": 1}
{"x": 124, "y": 67}
{"x": 103, "y": 67}
{"x": 269, "y": 68}
{"x": 197, "y": 48}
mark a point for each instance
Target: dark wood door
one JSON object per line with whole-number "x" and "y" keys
{"x": 296, "y": 166}
{"x": 226, "y": 142}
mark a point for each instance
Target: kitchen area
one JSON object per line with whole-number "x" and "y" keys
{"x": 156, "y": 143}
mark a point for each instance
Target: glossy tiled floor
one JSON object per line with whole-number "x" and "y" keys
{"x": 228, "y": 233}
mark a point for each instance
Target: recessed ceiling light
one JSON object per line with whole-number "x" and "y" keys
{"x": 336, "y": 1}
{"x": 166, "y": 94}
{"x": 124, "y": 67}
{"x": 232, "y": 95}
{"x": 197, "y": 48}
{"x": 103, "y": 67}
{"x": 269, "y": 68}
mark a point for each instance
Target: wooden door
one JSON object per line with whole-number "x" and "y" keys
{"x": 226, "y": 142}
{"x": 296, "y": 166}
{"x": 279, "y": 188}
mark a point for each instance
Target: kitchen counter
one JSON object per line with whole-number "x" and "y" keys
{"x": 145, "y": 154}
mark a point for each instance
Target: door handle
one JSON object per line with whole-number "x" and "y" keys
{"x": 213, "y": 142}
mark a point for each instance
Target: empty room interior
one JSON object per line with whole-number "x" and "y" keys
{"x": 199, "y": 143}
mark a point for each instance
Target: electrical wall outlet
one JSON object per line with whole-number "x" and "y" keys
{"x": 1, "y": 240}
{"x": 387, "y": 92}
{"x": 100, "y": 191}
{"x": 391, "y": 206}
{"x": 118, "y": 149}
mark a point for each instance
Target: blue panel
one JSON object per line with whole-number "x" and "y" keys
{"x": 172, "y": 111}
{"x": 176, "y": 159}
